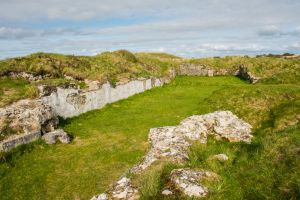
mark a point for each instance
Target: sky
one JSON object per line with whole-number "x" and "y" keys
{"x": 187, "y": 28}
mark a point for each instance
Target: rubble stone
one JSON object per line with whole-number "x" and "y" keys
{"x": 123, "y": 189}
{"x": 59, "y": 134}
{"x": 172, "y": 142}
{"x": 189, "y": 181}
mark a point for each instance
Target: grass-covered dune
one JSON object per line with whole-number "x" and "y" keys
{"x": 123, "y": 65}
{"x": 108, "y": 142}
{"x": 271, "y": 69}
{"x": 107, "y": 66}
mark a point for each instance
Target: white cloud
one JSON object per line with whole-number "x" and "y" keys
{"x": 255, "y": 10}
{"x": 270, "y": 30}
{"x": 184, "y": 27}
{"x": 295, "y": 46}
{"x": 14, "y": 33}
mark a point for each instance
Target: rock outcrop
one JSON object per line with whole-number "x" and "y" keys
{"x": 188, "y": 181}
{"x": 123, "y": 189}
{"x": 172, "y": 142}
{"x": 53, "y": 136}
{"x": 28, "y": 119}
{"x": 27, "y": 76}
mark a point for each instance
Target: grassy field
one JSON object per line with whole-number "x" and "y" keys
{"x": 109, "y": 141}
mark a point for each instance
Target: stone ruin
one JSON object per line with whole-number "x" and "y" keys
{"x": 28, "y": 120}
{"x": 173, "y": 142}
{"x": 188, "y": 181}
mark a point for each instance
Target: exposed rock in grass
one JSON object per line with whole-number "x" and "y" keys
{"x": 92, "y": 85}
{"x": 123, "y": 189}
{"x": 165, "y": 142}
{"x": 189, "y": 181}
{"x": 222, "y": 124}
{"x": 27, "y": 76}
{"x": 27, "y": 116}
{"x": 172, "y": 142}
{"x": 59, "y": 134}
{"x": 166, "y": 192}
{"x": 220, "y": 157}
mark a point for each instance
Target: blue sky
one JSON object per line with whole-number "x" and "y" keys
{"x": 189, "y": 28}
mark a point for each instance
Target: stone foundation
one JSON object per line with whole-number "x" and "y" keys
{"x": 17, "y": 140}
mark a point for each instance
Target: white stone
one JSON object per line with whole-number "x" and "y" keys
{"x": 122, "y": 189}
{"x": 220, "y": 157}
{"x": 188, "y": 181}
{"x": 195, "y": 190}
{"x": 59, "y": 134}
{"x": 30, "y": 118}
{"x": 100, "y": 197}
{"x": 167, "y": 192}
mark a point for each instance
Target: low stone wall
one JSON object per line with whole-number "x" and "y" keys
{"x": 189, "y": 69}
{"x": 243, "y": 73}
{"x": 72, "y": 102}
{"x": 17, "y": 140}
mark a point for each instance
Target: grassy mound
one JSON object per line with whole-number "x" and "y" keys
{"x": 122, "y": 64}
{"x": 105, "y": 66}
{"x": 272, "y": 70}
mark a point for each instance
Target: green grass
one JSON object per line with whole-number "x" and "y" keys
{"x": 13, "y": 90}
{"x": 110, "y": 141}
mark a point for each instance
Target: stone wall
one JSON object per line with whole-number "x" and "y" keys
{"x": 202, "y": 70}
{"x": 243, "y": 73}
{"x": 17, "y": 140}
{"x": 70, "y": 102}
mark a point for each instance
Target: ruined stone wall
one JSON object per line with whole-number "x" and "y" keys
{"x": 72, "y": 102}
{"x": 243, "y": 73}
{"x": 26, "y": 121}
{"x": 189, "y": 69}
